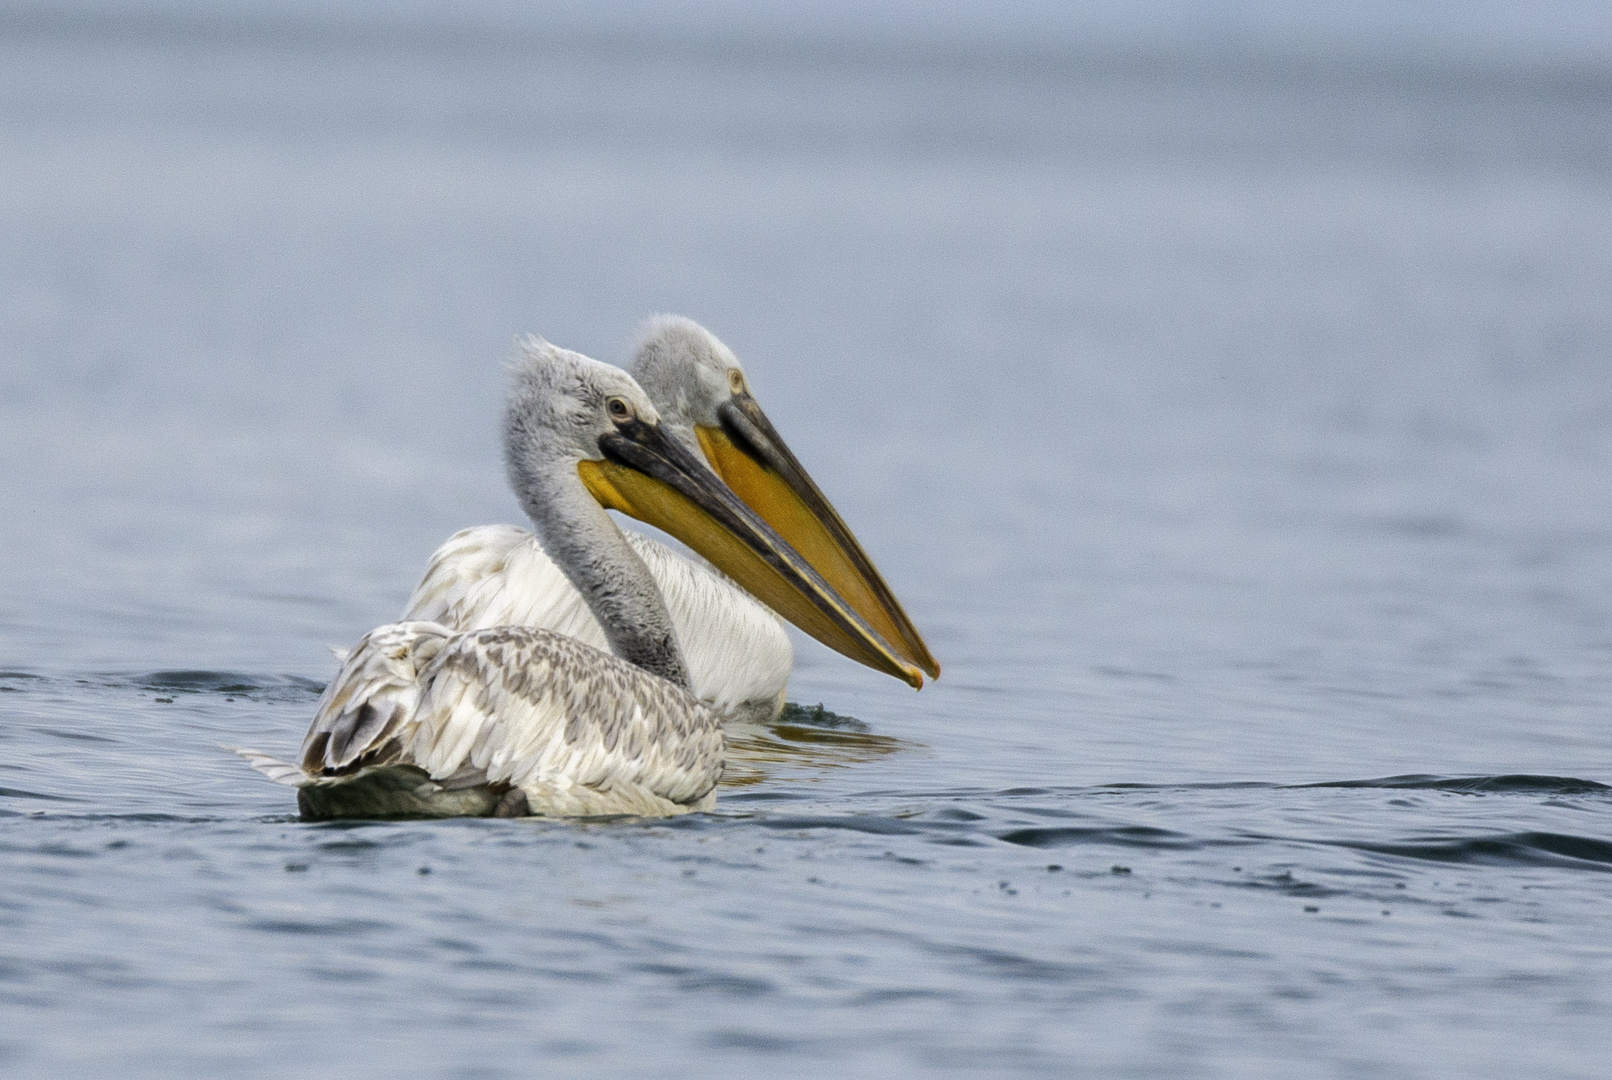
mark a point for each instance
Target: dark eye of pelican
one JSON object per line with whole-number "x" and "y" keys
{"x": 736, "y": 381}
{"x": 619, "y": 409}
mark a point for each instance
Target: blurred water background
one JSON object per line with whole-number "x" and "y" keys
{"x": 1225, "y": 389}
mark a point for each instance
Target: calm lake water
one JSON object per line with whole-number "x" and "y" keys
{"x": 1236, "y": 429}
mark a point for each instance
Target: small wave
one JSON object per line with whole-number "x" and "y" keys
{"x": 149, "y": 817}
{"x": 1508, "y": 783}
{"x": 276, "y": 688}
{"x": 881, "y": 826}
{"x": 76, "y": 736}
{"x": 1523, "y": 848}
{"x": 336, "y": 928}
{"x": 232, "y": 683}
{"x": 19, "y": 793}
{"x": 754, "y": 796}
{"x": 1518, "y": 783}
{"x": 1142, "y": 836}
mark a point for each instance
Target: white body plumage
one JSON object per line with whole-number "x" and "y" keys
{"x": 736, "y": 650}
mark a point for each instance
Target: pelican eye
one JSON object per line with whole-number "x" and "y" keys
{"x": 619, "y": 409}
{"x": 736, "y": 381}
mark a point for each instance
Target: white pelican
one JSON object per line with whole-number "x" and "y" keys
{"x": 737, "y": 653}
{"x": 424, "y": 719}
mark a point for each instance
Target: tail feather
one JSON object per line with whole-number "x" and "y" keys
{"x": 281, "y": 772}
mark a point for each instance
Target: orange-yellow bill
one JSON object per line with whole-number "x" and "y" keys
{"x": 649, "y": 475}
{"x": 750, "y": 456}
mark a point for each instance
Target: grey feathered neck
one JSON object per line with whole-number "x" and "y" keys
{"x": 555, "y": 414}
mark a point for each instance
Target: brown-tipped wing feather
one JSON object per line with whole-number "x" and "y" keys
{"x": 577, "y": 730}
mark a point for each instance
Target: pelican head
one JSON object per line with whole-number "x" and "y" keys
{"x": 580, "y": 435}
{"x": 706, "y": 402}
{"x": 683, "y": 366}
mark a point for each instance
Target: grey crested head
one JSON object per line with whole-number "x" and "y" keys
{"x": 683, "y": 367}
{"x": 560, "y": 404}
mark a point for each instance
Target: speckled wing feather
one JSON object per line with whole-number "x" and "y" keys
{"x": 737, "y": 653}
{"x": 577, "y": 730}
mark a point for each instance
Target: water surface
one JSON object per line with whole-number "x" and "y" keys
{"x": 1236, "y": 430}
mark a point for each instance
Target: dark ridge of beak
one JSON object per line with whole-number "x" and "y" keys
{"x": 754, "y": 434}
{"x": 653, "y": 451}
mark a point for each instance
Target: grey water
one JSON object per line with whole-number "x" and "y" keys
{"x": 1235, "y": 423}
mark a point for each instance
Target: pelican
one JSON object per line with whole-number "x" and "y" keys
{"x": 738, "y": 655}
{"x": 509, "y": 720}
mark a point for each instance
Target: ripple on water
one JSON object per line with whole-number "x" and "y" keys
{"x": 232, "y": 684}
{"x": 1512, "y": 783}
{"x": 1518, "y": 849}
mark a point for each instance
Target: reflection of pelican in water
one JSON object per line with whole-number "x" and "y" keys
{"x": 811, "y": 739}
{"x": 426, "y": 720}
{"x": 737, "y": 654}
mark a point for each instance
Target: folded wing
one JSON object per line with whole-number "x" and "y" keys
{"x": 577, "y": 730}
